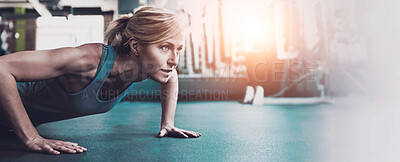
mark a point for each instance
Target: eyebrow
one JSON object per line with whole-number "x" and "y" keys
{"x": 170, "y": 43}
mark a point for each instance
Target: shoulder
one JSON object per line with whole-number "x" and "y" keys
{"x": 86, "y": 57}
{"x": 90, "y": 50}
{"x": 91, "y": 47}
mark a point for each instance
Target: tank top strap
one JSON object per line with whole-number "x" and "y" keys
{"x": 103, "y": 58}
{"x": 105, "y": 65}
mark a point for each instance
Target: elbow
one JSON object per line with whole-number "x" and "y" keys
{"x": 4, "y": 73}
{"x": 2, "y": 67}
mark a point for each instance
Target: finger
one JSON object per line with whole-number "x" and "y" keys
{"x": 80, "y": 148}
{"x": 183, "y": 134}
{"x": 65, "y": 149}
{"x": 191, "y": 133}
{"x": 56, "y": 142}
{"x": 162, "y": 133}
{"x": 84, "y": 149}
{"x": 71, "y": 143}
{"x": 50, "y": 150}
{"x": 77, "y": 149}
{"x": 195, "y": 134}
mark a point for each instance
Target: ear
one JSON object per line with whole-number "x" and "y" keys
{"x": 133, "y": 44}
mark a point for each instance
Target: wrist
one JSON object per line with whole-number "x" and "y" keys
{"x": 166, "y": 124}
{"x": 29, "y": 139}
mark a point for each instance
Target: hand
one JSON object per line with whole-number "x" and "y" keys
{"x": 170, "y": 130}
{"x": 41, "y": 144}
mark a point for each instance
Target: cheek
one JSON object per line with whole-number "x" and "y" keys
{"x": 153, "y": 61}
{"x": 159, "y": 62}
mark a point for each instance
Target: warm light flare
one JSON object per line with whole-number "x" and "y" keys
{"x": 255, "y": 33}
{"x": 251, "y": 25}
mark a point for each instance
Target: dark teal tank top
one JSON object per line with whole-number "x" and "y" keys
{"x": 49, "y": 96}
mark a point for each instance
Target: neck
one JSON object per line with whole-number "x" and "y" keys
{"x": 128, "y": 68}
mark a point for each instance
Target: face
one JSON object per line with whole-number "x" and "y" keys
{"x": 159, "y": 60}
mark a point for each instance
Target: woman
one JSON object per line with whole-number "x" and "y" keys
{"x": 49, "y": 85}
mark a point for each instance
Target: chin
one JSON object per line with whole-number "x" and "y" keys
{"x": 159, "y": 79}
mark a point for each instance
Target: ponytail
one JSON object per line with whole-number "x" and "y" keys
{"x": 114, "y": 35}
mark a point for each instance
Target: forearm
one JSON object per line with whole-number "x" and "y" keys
{"x": 168, "y": 114}
{"x": 13, "y": 110}
{"x": 169, "y": 98}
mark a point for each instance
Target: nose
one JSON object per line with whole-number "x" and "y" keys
{"x": 174, "y": 59}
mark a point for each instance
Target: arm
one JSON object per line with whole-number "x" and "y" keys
{"x": 169, "y": 97}
{"x": 30, "y": 66}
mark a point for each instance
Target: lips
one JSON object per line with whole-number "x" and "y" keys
{"x": 167, "y": 70}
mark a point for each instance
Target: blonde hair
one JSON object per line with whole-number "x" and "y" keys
{"x": 148, "y": 25}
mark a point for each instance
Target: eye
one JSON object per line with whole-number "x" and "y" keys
{"x": 165, "y": 48}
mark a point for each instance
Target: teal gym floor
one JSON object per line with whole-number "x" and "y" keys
{"x": 230, "y": 131}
